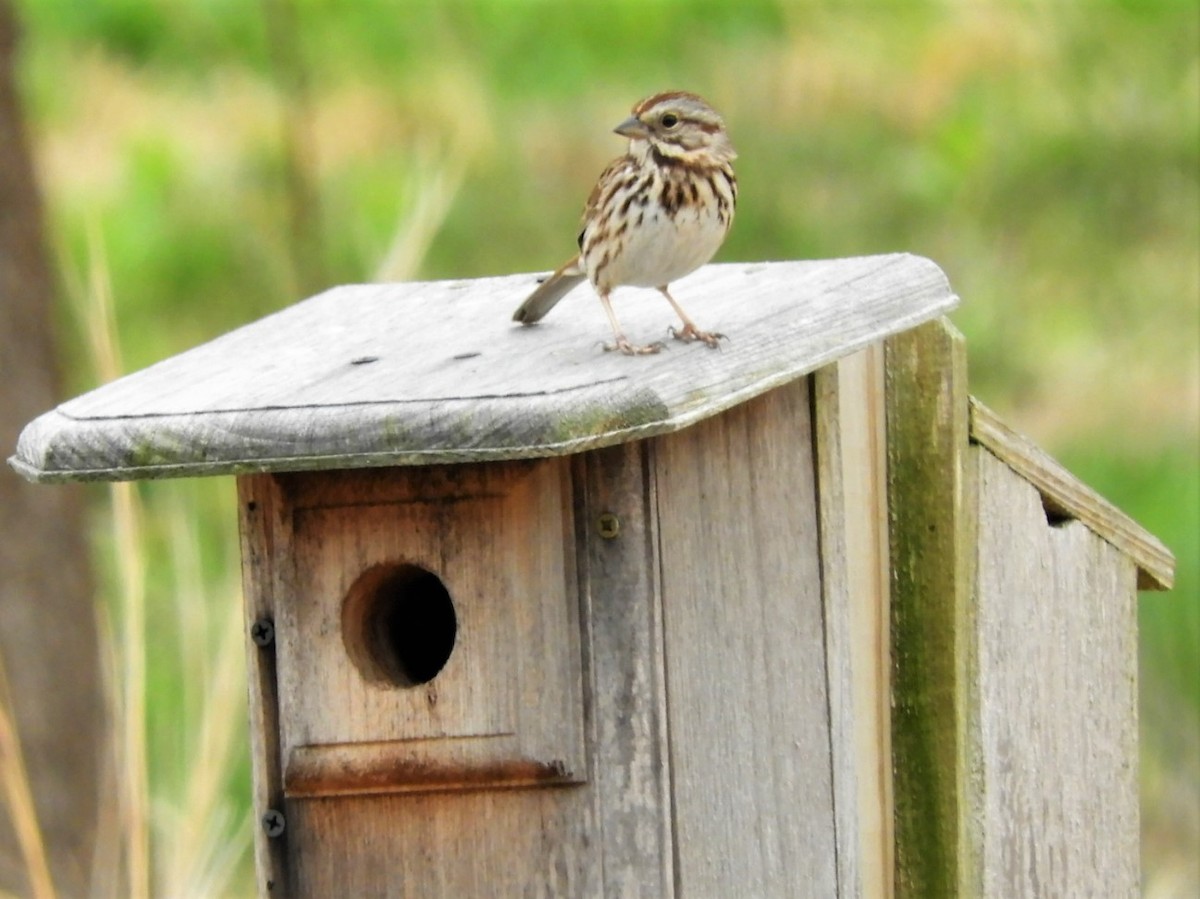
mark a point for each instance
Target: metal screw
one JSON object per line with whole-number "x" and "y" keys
{"x": 273, "y": 822}
{"x": 608, "y": 525}
{"x": 262, "y": 632}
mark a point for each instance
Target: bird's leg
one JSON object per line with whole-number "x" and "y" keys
{"x": 622, "y": 344}
{"x": 690, "y": 332}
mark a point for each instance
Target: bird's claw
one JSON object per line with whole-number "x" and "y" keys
{"x": 689, "y": 333}
{"x": 630, "y": 349}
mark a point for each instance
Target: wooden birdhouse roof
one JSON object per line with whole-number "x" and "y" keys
{"x": 420, "y": 373}
{"x": 435, "y": 372}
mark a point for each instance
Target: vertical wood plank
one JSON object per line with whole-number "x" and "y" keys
{"x": 852, "y": 491}
{"x": 624, "y": 641}
{"x": 932, "y": 551}
{"x": 828, "y": 425}
{"x": 745, "y": 652}
{"x": 265, "y": 528}
{"x": 1058, "y": 677}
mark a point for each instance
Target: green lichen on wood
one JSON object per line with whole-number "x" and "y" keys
{"x": 926, "y": 397}
{"x": 643, "y": 410}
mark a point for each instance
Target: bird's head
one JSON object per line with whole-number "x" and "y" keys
{"x": 679, "y": 127}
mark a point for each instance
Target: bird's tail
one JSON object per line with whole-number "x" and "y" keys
{"x": 549, "y": 292}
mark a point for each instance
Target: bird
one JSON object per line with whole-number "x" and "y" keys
{"x": 656, "y": 214}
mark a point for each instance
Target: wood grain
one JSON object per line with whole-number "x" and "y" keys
{"x": 455, "y": 787}
{"x": 931, "y": 551}
{"x": 406, "y": 374}
{"x": 1065, "y": 496}
{"x": 619, "y": 583}
{"x": 464, "y": 845}
{"x": 745, "y": 650}
{"x": 1057, "y": 621}
{"x": 265, "y": 526}
{"x": 852, "y": 499}
{"x": 507, "y": 708}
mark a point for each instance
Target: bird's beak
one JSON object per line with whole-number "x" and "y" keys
{"x": 632, "y": 127}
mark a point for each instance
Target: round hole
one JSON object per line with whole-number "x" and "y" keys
{"x": 398, "y": 624}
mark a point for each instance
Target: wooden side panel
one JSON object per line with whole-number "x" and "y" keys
{"x": 619, "y": 584}
{"x": 745, "y": 651}
{"x": 930, "y": 503}
{"x": 1058, "y": 677}
{"x": 1067, "y": 497}
{"x": 265, "y": 530}
{"x": 851, "y": 479}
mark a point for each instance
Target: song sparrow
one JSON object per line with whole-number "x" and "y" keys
{"x": 656, "y": 214}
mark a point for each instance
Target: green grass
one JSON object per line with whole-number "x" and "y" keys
{"x": 1046, "y": 155}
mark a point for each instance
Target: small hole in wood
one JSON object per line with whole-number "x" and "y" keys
{"x": 1056, "y": 515}
{"x": 364, "y": 360}
{"x": 399, "y": 625}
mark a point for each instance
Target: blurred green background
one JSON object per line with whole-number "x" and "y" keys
{"x": 205, "y": 162}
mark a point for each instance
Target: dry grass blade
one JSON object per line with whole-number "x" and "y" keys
{"x": 176, "y": 835}
{"x": 202, "y": 847}
{"x": 134, "y": 797}
{"x": 19, "y": 799}
{"x": 129, "y": 544}
{"x": 433, "y": 187}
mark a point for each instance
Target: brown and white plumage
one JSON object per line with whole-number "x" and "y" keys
{"x": 656, "y": 214}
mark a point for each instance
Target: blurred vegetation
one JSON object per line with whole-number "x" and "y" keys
{"x": 213, "y": 160}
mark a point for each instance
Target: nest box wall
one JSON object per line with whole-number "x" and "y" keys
{"x": 532, "y": 619}
{"x": 675, "y": 635}
{"x": 431, "y": 633}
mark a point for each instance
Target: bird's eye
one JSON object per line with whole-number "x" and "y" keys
{"x": 669, "y": 120}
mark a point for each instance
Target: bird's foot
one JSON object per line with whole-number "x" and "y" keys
{"x": 631, "y": 349}
{"x": 690, "y": 332}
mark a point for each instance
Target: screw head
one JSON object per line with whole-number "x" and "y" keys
{"x": 262, "y": 632}
{"x": 608, "y": 525}
{"x": 273, "y": 822}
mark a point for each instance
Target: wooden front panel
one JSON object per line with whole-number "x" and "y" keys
{"x": 746, "y": 687}
{"x": 1057, "y": 632}
{"x": 469, "y": 784}
{"x": 506, "y": 708}
{"x": 668, "y": 594}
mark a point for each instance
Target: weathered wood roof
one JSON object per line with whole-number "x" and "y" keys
{"x": 418, "y": 373}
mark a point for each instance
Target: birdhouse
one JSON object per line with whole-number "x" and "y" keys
{"x": 794, "y": 617}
